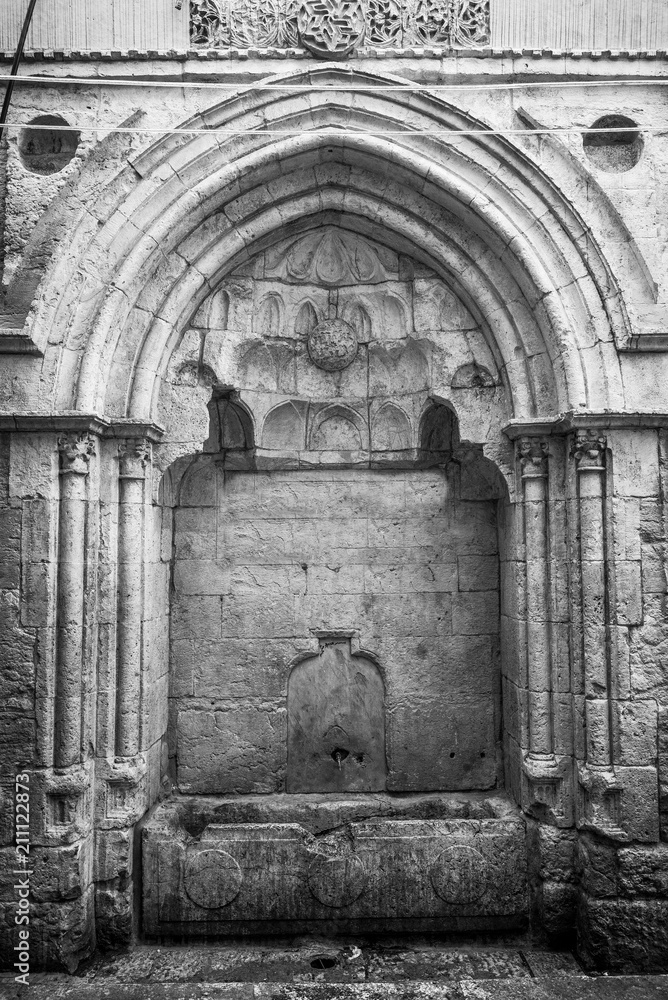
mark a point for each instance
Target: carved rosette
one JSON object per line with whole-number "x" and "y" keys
{"x": 331, "y": 29}
{"x": 75, "y": 452}
{"x": 134, "y": 455}
{"x": 532, "y": 454}
{"x": 589, "y": 450}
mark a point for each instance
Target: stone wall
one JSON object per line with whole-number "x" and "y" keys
{"x": 266, "y": 562}
{"x": 147, "y": 288}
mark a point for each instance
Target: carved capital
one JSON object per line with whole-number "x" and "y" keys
{"x": 532, "y": 453}
{"x": 75, "y": 451}
{"x": 134, "y": 454}
{"x": 589, "y": 450}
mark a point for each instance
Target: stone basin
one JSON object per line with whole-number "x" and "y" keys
{"x": 368, "y": 863}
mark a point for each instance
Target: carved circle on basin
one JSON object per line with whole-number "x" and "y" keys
{"x": 460, "y": 875}
{"x": 337, "y": 881}
{"x": 212, "y": 878}
{"x": 332, "y": 345}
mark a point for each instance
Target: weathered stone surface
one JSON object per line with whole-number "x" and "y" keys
{"x": 283, "y": 574}
{"x": 386, "y": 869}
{"x": 375, "y": 365}
{"x": 620, "y": 934}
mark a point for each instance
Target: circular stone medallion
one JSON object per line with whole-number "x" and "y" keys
{"x": 212, "y": 878}
{"x": 332, "y": 345}
{"x": 459, "y": 875}
{"x": 337, "y": 881}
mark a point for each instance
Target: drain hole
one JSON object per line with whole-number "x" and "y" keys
{"x": 452, "y": 754}
{"x": 339, "y": 754}
{"x": 323, "y": 962}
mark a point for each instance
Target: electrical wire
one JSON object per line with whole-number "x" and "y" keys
{"x": 356, "y": 89}
{"x": 334, "y": 132}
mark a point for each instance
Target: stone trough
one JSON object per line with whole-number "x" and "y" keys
{"x": 428, "y": 863}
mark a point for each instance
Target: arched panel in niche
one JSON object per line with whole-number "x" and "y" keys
{"x": 214, "y": 312}
{"x": 307, "y": 319}
{"x": 337, "y": 428}
{"x": 473, "y": 376}
{"x": 269, "y": 318}
{"x": 395, "y": 318}
{"x": 357, "y": 316}
{"x": 439, "y": 435}
{"x": 231, "y": 426}
{"x": 284, "y": 427}
{"x": 391, "y": 429}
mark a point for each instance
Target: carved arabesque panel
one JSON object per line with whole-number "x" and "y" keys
{"x": 334, "y": 28}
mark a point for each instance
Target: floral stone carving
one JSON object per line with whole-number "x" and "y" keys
{"x": 332, "y": 345}
{"x": 333, "y": 29}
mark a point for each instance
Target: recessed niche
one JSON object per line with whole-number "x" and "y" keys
{"x": 613, "y": 143}
{"x": 47, "y": 144}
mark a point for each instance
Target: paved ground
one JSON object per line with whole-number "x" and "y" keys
{"x": 321, "y": 970}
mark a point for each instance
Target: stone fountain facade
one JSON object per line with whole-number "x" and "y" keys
{"x": 333, "y": 466}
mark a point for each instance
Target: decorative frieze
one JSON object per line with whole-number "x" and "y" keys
{"x": 334, "y": 28}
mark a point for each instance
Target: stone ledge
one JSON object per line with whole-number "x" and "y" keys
{"x": 32, "y": 423}
{"x": 543, "y": 988}
{"x": 429, "y": 52}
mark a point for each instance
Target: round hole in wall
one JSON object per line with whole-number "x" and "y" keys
{"x": 452, "y": 754}
{"x": 47, "y": 144}
{"x": 613, "y": 143}
{"x": 323, "y": 962}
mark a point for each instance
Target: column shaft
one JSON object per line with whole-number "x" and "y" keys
{"x": 133, "y": 457}
{"x": 535, "y": 495}
{"x": 74, "y": 456}
{"x": 590, "y": 454}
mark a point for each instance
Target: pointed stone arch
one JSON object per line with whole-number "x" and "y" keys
{"x": 484, "y": 217}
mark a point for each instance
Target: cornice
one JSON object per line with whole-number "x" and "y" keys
{"x": 567, "y": 423}
{"x": 57, "y": 423}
